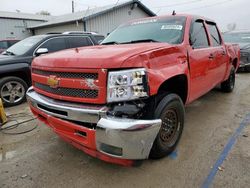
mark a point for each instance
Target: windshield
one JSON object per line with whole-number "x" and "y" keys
{"x": 168, "y": 30}
{"x": 243, "y": 37}
{"x": 23, "y": 46}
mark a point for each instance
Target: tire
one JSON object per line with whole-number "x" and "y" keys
{"x": 171, "y": 111}
{"x": 228, "y": 85}
{"x": 12, "y": 91}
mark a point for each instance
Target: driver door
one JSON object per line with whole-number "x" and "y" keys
{"x": 200, "y": 57}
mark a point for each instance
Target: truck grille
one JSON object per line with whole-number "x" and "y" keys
{"x": 75, "y": 75}
{"x": 74, "y": 85}
{"x": 70, "y": 92}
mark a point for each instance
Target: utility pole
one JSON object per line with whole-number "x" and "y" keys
{"x": 73, "y": 7}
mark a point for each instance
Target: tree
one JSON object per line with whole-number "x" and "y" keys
{"x": 44, "y": 12}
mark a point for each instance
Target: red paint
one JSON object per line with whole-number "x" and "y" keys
{"x": 100, "y": 155}
{"x": 67, "y": 130}
{"x": 73, "y": 83}
{"x": 162, "y": 61}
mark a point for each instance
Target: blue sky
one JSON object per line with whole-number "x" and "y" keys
{"x": 223, "y": 11}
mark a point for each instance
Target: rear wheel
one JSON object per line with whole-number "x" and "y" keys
{"x": 228, "y": 85}
{"x": 171, "y": 111}
{"x": 12, "y": 90}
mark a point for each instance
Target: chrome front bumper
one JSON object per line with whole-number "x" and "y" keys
{"x": 117, "y": 137}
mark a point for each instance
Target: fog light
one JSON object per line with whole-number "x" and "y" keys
{"x": 113, "y": 150}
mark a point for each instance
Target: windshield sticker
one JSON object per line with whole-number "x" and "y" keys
{"x": 144, "y": 22}
{"x": 172, "y": 27}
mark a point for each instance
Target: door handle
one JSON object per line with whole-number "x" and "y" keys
{"x": 211, "y": 56}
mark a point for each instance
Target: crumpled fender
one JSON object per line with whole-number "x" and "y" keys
{"x": 161, "y": 64}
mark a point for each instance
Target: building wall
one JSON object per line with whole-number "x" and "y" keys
{"x": 103, "y": 24}
{"x": 16, "y": 28}
{"x": 60, "y": 28}
{"x": 106, "y": 23}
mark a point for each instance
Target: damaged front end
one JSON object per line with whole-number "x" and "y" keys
{"x": 116, "y": 133}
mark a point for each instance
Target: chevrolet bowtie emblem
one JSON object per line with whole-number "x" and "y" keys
{"x": 53, "y": 81}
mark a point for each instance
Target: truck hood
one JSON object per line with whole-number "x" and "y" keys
{"x": 103, "y": 56}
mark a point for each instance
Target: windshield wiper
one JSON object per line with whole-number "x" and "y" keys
{"x": 8, "y": 53}
{"x": 141, "y": 40}
{"x": 111, "y": 42}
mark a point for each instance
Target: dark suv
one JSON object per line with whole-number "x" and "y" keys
{"x": 15, "y": 62}
{"x": 243, "y": 39}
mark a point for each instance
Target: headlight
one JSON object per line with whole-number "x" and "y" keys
{"x": 127, "y": 85}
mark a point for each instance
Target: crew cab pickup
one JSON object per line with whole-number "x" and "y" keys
{"x": 123, "y": 101}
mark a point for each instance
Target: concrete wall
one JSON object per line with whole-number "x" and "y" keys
{"x": 16, "y": 28}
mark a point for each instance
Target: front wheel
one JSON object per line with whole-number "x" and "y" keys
{"x": 171, "y": 111}
{"x": 228, "y": 85}
{"x": 12, "y": 90}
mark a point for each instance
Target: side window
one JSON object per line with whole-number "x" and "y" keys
{"x": 75, "y": 42}
{"x": 198, "y": 35}
{"x": 213, "y": 31}
{"x": 55, "y": 44}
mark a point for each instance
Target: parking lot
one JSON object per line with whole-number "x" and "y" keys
{"x": 40, "y": 159}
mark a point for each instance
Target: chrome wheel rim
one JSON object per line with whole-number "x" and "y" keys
{"x": 12, "y": 92}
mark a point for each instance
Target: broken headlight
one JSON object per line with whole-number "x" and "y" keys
{"x": 127, "y": 85}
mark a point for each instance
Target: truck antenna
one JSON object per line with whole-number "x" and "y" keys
{"x": 174, "y": 13}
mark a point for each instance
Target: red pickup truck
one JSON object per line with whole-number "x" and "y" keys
{"x": 124, "y": 100}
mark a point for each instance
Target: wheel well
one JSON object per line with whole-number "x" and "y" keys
{"x": 178, "y": 85}
{"x": 22, "y": 75}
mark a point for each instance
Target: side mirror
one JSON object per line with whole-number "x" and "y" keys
{"x": 41, "y": 51}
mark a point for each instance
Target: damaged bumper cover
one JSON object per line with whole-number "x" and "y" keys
{"x": 117, "y": 138}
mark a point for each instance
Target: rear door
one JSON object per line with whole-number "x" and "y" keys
{"x": 218, "y": 65}
{"x": 200, "y": 57}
